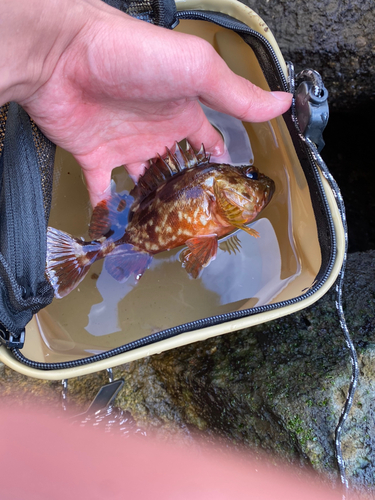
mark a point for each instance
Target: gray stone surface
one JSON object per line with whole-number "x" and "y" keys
{"x": 278, "y": 387}
{"x": 336, "y": 38}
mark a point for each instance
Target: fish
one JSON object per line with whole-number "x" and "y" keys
{"x": 182, "y": 200}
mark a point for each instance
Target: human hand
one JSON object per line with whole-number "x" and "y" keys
{"x": 119, "y": 90}
{"x": 139, "y": 467}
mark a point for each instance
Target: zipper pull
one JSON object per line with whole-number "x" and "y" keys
{"x": 103, "y": 399}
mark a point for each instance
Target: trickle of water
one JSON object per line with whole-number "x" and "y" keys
{"x": 112, "y": 420}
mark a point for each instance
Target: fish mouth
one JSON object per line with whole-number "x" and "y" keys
{"x": 267, "y": 185}
{"x": 271, "y": 190}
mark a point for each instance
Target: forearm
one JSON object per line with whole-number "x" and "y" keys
{"x": 33, "y": 35}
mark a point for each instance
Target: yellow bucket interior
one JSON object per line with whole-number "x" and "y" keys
{"x": 102, "y": 314}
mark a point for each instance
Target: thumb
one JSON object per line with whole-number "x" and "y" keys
{"x": 231, "y": 94}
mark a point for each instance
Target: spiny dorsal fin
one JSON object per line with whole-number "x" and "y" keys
{"x": 163, "y": 168}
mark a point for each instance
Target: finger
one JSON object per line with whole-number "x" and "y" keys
{"x": 248, "y": 102}
{"x": 222, "y": 158}
{"x": 207, "y": 135}
{"x": 223, "y": 90}
{"x": 98, "y": 182}
{"x": 135, "y": 170}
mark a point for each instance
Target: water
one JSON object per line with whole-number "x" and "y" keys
{"x": 112, "y": 421}
{"x": 102, "y": 314}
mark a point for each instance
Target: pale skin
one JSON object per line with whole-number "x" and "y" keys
{"x": 113, "y": 90}
{"x": 88, "y": 463}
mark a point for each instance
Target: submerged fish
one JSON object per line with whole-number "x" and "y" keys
{"x": 182, "y": 199}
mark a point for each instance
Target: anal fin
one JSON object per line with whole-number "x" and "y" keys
{"x": 126, "y": 260}
{"x": 200, "y": 251}
{"x": 231, "y": 244}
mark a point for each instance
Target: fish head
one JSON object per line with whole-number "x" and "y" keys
{"x": 249, "y": 190}
{"x": 258, "y": 187}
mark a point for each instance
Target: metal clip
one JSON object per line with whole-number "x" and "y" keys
{"x": 311, "y": 106}
{"x": 105, "y": 396}
{"x": 103, "y": 399}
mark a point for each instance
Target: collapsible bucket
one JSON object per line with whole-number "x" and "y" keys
{"x": 293, "y": 263}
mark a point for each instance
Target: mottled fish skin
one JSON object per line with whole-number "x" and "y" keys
{"x": 185, "y": 206}
{"x": 182, "y": 199}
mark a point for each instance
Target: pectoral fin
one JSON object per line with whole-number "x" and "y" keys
{"x": 200, "y": 252}
{"x": 231, "y": 212}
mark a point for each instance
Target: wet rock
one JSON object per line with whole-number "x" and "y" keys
{"x": 335, "y": 38}
{"x": 277, "y": 387}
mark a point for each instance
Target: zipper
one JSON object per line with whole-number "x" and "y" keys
{"x": 24, "y": 289}
{"x": 239, "y": 27}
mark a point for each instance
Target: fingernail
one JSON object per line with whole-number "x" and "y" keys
{"x": 282, "y": 96}
{"x": 222, "y": 157}
{"x": 218, "y": 149}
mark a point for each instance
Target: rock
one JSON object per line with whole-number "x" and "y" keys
{"x": 277, "y": 387}
{"x": 280, "y": 386}
{"x": 335, "y": 38}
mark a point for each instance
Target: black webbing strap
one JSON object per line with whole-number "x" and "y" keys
{"x": 26, "y": 169}
{"x": 160, "y": 12}
{"x": 26, "y": 164}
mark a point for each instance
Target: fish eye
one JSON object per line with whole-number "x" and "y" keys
{"x": 251, "y": 174}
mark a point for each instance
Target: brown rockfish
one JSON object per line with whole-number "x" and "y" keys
{"x": 181, "y": 199}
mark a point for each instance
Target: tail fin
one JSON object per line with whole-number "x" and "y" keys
{"x": 68, "y": 260}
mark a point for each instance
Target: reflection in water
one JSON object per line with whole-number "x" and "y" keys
{"x": 218, "y": 276}
{"x": 103, "y": 317}
{"x": 259, "y": 276}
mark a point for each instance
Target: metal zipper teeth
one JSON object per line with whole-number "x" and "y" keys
{"x": 222, "y": 318}
{"x": 239, "y": 27}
